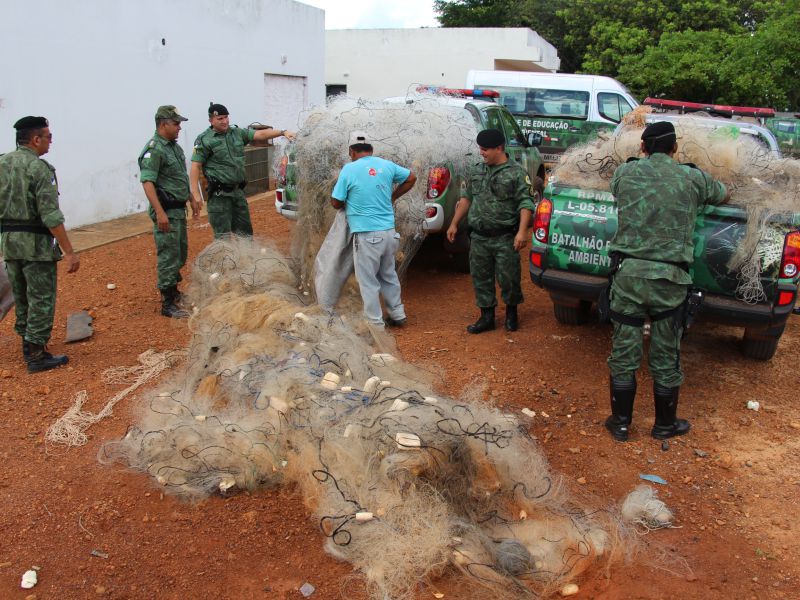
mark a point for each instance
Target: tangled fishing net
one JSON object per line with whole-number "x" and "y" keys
{"x": 406, "y": 484}
{"x": 765, "y": 186}
{"x": 422, "y": 133}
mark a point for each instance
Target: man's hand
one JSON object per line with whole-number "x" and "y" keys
{"x": 289, "y": 135}
{"x": 196, "y": 204}
{"x": 520, "y": 240}
{"x": 73, "y": 262}
{"x": 162, "y": 221}
{"x": 451, "y": 232}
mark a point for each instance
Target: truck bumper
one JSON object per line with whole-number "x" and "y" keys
{"x": 570, "y": 289}
{"x": 284, "y": 208}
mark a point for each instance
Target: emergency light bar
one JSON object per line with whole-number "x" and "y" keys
{"x": 431, "y": 89}
{"x": 719, "y": 109}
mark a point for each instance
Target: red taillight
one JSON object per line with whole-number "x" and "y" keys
{"x": 785, "y": 298}
{"x": 438, "y": 180}
{"x": 790, "y": 262}
{"x": 536, "y": 259}
{"x": 279, "y": 195}
{"x": 541, "y": 222}
{"x": 430, "y": 212}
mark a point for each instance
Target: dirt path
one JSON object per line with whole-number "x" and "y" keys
{"x": 733, "y": 481}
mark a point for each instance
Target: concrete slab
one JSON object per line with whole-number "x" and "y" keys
{"x": 99, "y": 234}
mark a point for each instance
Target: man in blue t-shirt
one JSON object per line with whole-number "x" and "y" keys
{"x": 364, "y": 190}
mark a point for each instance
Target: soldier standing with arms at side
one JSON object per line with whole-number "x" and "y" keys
{"x": 658, "y": 200}
{"x": 166, "y": 184}
{"x": 499, "y": 205}
{"x": 219, "y": 152}
{"x": 33, "y": 238}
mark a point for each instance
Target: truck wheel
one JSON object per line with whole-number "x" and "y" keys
{"x": 758, "y": 346}
{"x": 572, "y": 315}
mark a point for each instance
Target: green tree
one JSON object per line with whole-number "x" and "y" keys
{"x": 684, "y": 65}
{"x": 763, "y": 69}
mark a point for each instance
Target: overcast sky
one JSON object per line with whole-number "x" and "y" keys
{"x": 376, "y": 14}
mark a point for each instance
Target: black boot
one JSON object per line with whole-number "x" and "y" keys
{"x": 39, "y": 359}
{"x": 667, "y": 424}
{"x": 26, "y": 350}
{"x": 168, "y": 306}
{"x": 512, "y": 321}
{"x": 485, "y": 323}
{"x": 622, "y": 395}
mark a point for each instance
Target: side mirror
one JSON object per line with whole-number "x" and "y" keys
{"x": 534, "y": 139}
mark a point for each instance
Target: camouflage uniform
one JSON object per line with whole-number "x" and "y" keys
{"x": 222, "y": 157}
{"x": 497, "y": 195}
{"x": 29, "y": 198}
{"x": 658, "y": 201}
{"x": 164, "y": 164}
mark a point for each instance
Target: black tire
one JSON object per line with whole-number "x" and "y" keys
{"x": 572, "y": 315}
{"x": 759, "y": 347}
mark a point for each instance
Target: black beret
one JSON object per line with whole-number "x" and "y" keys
{"x": 491, "y": 138}
{"x": 31, "y": 123}
{"x": 217, "y": 110}
{"x": 658, "y": 130}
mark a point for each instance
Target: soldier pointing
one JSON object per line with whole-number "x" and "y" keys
{"x": 219, "y": 151}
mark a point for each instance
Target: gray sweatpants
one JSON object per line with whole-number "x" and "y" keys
{"x": 373, "y": 256}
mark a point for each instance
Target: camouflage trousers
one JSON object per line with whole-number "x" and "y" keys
{"x": 172, "y": 248}
{"x": 493, "y": 258}
{"x": 638, "y": 297}
{"x": 229, "y": 213}
{"x": 33, "y": 284}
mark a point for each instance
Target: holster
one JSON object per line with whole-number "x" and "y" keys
{"x": 167, "y": 200}
{"x": 216, "y": 187}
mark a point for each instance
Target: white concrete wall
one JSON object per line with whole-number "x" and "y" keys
{"x": 97, "y": 69}
{"x": 377, "y": 63}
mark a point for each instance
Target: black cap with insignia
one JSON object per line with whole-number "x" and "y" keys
{"x": 31, "y": 123}
{"x": 658, "y": 130}
{"x": 217, "y": 110}
{"x": 490, "y": 138}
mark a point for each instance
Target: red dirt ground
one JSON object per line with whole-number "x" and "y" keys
{"x": 736, "y": 507}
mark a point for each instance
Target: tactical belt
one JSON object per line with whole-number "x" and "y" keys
{"x": 168, "y": 204}
{"x": 167, "y": 200}
{"x": 639, "y": 321}
{"x": 496, "y": 232}
{"x": 7, "y": 226}
{"x": 215, "y": 188}
{"x": 616, "y": 261}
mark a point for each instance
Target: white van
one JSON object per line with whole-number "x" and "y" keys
{"x": 565, "y": 109}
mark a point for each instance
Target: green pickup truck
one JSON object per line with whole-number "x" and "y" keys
{"x": 569, "y": 258}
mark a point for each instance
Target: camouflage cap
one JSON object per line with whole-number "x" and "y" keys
{"x": 169, "y": 112}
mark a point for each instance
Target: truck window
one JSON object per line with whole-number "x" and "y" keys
{"x": 513, "y": 134}
{"x": 534, "y": 102}
{"x": 612, "y": 106}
